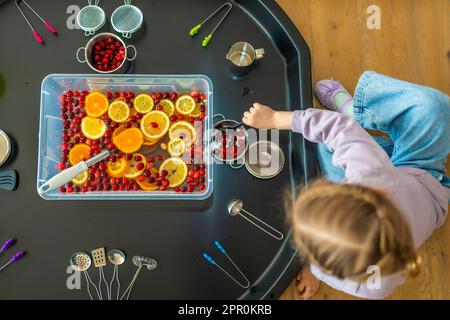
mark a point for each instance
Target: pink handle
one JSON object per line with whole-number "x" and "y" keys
{"x": 49, "y": 27}
{"x": 38, "y": 37}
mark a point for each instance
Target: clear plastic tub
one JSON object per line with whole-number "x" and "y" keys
{"x": 51, "y": 126}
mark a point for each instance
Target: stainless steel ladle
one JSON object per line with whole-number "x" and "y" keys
{"x": 236, "y": 207}
{"x": 116, "y": 257}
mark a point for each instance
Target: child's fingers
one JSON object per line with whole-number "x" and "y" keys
{"x": 252, "y": 110}
{"x": 301, "y": 286}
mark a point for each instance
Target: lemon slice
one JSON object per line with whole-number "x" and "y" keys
{"x": 196, "y": 111}
{"x": 143, "y": 103}
{"x": 168, "y": 107}
{"x": 177, "y": 171}
{"x": 145, "y": 185}
{"x": 155, "y": 125}
{"x": 176, "y": 147}
{"x": 93, "y": 128}
{"x": 136, "y": 167}
{"x": 81, "y": 179}
{"x": 96, "y": 104}
{"x": 185, "y": 105}
{"x": 183, "y": 130}
{"x": 119, "y": 111}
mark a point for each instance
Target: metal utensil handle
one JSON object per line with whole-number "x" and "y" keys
{"x": 118, "y": 282}
{"x": 92, "y": 283}
{"x": 238, "y": 269}
{"x": 277, "y": 234}
{"x": 100, "y": 283}
{"x": 237, "y": 167}
{"x": 93, "y": 2}
{"x": 219, "y": 115}
{"x": 131, "y": 285}
{"x": 108, "y": 292}
{"x": 87, "y": 286}
{"x": 260, "y": 54}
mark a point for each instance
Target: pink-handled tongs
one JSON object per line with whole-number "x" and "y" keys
{"x": 35, "y": 33}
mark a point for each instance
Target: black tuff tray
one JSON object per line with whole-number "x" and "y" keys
{"x": 175, "y": 234}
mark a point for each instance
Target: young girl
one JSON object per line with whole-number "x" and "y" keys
{"x": 383, "y": 196}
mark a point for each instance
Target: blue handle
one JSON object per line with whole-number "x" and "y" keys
{"x": 209, "y": 259}
{"x": 219, "y": 246}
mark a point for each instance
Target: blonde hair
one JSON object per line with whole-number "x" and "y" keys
{"x": 346, "y": 228}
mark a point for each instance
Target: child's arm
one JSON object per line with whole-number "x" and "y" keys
{"x": 355, "y": 151}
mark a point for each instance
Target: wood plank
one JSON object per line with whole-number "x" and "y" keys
{"x": 413, "y": 45}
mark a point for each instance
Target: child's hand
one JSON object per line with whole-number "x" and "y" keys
{"x": 263, "y": 117}
{"x": 307, "y": 284}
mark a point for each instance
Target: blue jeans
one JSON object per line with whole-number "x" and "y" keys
{"x": 416, "y": 119}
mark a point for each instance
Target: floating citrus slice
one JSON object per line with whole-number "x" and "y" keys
{"x": 177, "y": 171}
{"x": 150, "y": 142}
{"x": 176, "y": 147}
{"x": 155, "y": 125}
{"x": 81, "y": 179}
{"x": 116, "y": 132}
{"x": 93, "y": 128}
{"x": 137, "y": 166}
{"x": 185, "y": 104}
{"x": 183, "y": 130}
{"x": 196, "y": 111}
{"x": 143, "y": 103}
{"x": 129, "y": 140}
{"x": 80, "y": 152}
{"x": 119, "y": 111}
{"x": 96, "y": 104}
{"x": 117, "y": 169}
{"x": 145, "y": 185}
{"x": 168, "y": 107}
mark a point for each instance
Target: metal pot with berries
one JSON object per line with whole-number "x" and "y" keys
{"x": 107, "y": 53}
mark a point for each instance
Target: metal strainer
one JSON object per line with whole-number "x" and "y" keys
{"x": 81, "y": 262}
{"x": 91, "y": 18}
{"x": 127, "y": 19}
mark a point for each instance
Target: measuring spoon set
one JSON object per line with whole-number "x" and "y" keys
{"x": 82, "y": 261}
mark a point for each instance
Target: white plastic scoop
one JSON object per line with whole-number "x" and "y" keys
{"x": 67, "y": 175}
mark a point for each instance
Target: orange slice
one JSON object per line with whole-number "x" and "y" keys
{"x": 155, "y": 125}
{"x": 185, "y": 104}
{"x": 93, "y": 128}
{"x": 177, "y": 170}
{"x": 81, "y": 179}
{"x": 145, "y": 185}
{"x": 168, "y": 107}
{"x": 80, "y": 152}
{"x": 96, "y": 104}
{"x": 176, "y": 147}
{"x": 117, "y": 169}
{"x": 183, "y": 130}
{"x": 196, "y": 111}
{"x": 116, "y": 132}
{"x": 129, "y": 140}
{"x": 137, "y": 166}
{"x": 150, "y": 142}
{"x": 143, "y": 103}
{"x": 119, "y": 111}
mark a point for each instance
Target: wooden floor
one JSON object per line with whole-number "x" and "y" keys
{"x": 414, "y": 45}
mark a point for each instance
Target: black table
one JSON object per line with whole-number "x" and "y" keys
{"x": 175, "y": 234}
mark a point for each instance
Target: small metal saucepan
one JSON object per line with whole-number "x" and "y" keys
{"x": 220, "y": 132}
{"x": 89, "y": 48}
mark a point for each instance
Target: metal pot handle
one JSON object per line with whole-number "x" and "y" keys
{"x": 135, "y": 53}
{"x": 236, "y": 167}
{"x": 260, "y": 53}
{"x": 78, "y": 55}
{"x": 219, "y": 115}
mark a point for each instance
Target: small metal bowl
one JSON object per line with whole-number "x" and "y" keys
{"x": 5, "y": 147}
{"x": 89, "y": 48}
{"x": 91, "y": 19}
{"x": 127, "y": 19}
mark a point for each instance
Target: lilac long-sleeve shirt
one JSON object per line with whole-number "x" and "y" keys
{"x": 420, "y": 197}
